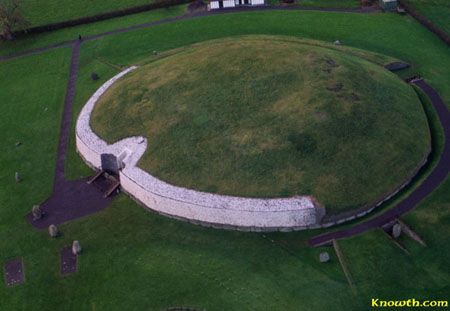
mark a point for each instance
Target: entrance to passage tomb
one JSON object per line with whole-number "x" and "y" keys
{"x": 110, "y": 163}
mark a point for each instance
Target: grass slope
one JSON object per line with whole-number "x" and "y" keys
{"x": 373, "y": 254}
{"x": 44, "y": 39}
{"x": 39, "y": 12}
{"x": 330, "y": 3}
{"x": 437, "y": 11}
{"x": 270, "y": 117}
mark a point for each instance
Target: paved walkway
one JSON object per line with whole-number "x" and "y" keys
{"x": 433, "y": 181}
{"x": 69, "y": 199}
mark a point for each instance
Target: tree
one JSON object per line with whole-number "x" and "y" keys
{"x": 10, "y": 18}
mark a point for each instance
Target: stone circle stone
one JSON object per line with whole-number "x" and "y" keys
{"x": 76, "y": 247}
{"x": 94, "y": 76}
{"x": 324, "y": 257}
{"x": 53, "y": 231}
{"x": 396, "y": 230}
{"x": 17, "y": 177}
{"x": 37, "y": 212}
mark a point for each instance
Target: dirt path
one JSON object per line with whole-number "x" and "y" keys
{"x": 433, "y": 181}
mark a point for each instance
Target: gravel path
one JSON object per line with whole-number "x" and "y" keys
{"x": 437, "y": 176}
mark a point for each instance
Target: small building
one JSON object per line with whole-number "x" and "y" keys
{"x": 388, "y": 5}
{"x": 221, "y": 4}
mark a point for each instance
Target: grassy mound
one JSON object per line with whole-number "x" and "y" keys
{"x": 270, "y": 117}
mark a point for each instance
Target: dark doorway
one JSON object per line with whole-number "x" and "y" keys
{"x": 110, "y": 163}
{"x": 220, "y": 4}
{"x": 246, "y": 2}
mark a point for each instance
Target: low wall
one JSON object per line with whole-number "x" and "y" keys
{"x": 252, "y": 214}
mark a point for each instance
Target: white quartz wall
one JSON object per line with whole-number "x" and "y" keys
{"x": 200, "y": 207}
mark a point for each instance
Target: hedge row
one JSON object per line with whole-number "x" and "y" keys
{"x": 158, "y": 4}
{"x": 425, "y": 22}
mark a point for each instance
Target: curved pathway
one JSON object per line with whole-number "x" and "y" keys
{"x": 436, "y": 177}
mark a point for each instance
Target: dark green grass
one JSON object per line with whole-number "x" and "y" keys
{"x": 39, "y": 12}
{"x": 136, "y": 260}
{"x": 347, "y": 4}
{"x": 31, "y": 97}
{"x": 437, "y": 11}
{"x": 47, "y": 38}
{"x": 256, "y": 117}
{"x": 420, "y": 275}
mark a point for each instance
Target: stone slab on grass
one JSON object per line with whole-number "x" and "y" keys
{"x": 68, "y": 261}
{"x": 14, "y": 272}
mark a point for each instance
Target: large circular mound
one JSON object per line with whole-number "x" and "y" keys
{"x": 268, "y": 117}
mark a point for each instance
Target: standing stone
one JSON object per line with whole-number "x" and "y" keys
{"x": 37, "y": 212}
{"x": 396, "y": 230}
{"x": 324, "y": 257}
{"x": 17, "y": 176}
{"x": 53, "y": 231}
{"x": 94, "y": 76}
{"x": 76, "y": 248}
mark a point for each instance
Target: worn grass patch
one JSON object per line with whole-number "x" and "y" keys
{"x": 267, "y": 116}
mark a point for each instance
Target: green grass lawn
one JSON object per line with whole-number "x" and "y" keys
{"x": 330, "y": 3}
{"x": 437, "y": 11}
{"x": 137, "y": 260}
{"x": 47, "y": 38}
{"x": 39, "y": 12}
{"x": 420, "y": 275}
{"x": 270, "y": 117}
